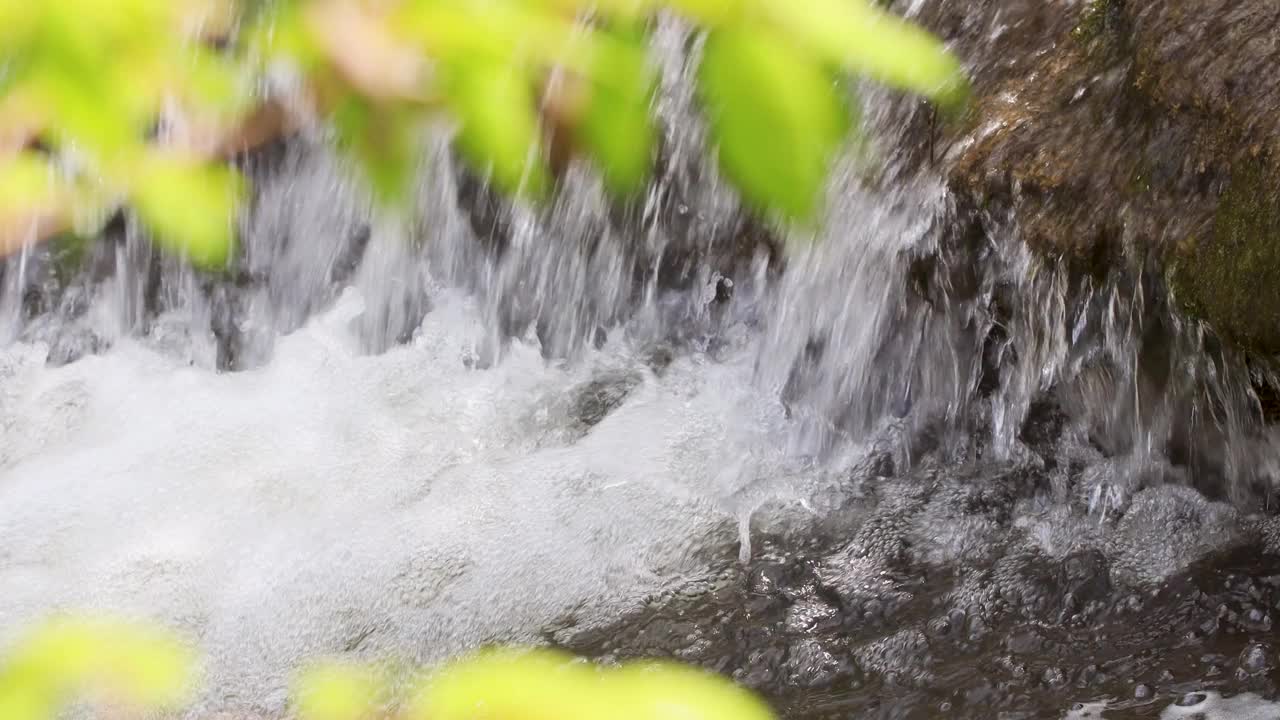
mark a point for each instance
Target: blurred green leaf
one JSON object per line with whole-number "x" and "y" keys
{"x": 712, "y": 13}
{"x": 498, "y": 129}
{"x": 383, "y": 141}
{"x": 775, "y": 116}
{"x": 212, "y": 84}
{"x": 502, "y": 684}
{"x": 458, "y": 34}
{"x": 627, "y": 10}
{"x": 525, "y": 34}
{"x": 91, "y": 76}
{"x": 511, "y": 33}
{"x": 276, "y": 31}
{"x": 616, "y": 128}
{"x": 190, "y": 206}
{"x": 866, "y": 40}
{"x": 24, "y": 702}
{"x": 81, "y": 115}
{"x": 26, "y": 181}
{"x": 17, "y": 30}
{"x": 149, "y": 670}
{"x": 549, "y": 685}
{"x": 142, "y": 666}
{"x": 651, "y": 690}
{"x": 331, "y": 691}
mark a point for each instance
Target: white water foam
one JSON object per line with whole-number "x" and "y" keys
{"x": 1206, "y": 705}
{"x": 1214, "y": 706}
{"x": 332, "y": 501}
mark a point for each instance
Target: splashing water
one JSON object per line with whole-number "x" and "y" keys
{"x": 479, "y": 423}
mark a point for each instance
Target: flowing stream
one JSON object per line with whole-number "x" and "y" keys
{"x": 910, "y": 471}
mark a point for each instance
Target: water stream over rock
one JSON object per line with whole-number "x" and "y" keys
{"x": 914, "y": 470}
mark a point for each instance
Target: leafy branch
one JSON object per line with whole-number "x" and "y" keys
{"x": 124, "y": 667}
{"x": 83, "y": 83}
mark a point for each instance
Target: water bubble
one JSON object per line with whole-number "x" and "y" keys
{"x": 1191, "y": 700}
{"x": 1254, "y": 659}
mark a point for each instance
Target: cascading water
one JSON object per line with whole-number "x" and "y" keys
{"x": 914, "y": 472}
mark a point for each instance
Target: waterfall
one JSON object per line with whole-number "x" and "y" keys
{"x": 475, "y": 421}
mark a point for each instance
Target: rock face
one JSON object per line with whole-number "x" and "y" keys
{"x": 1140, "y": 131}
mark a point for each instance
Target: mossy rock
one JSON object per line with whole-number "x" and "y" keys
{"x": 1232, "y": 279}
{"x": 69, "y": 253}
{"x": 1098, "y": 19}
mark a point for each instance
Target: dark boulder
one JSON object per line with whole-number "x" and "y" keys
{"x": 1126, "y": 133}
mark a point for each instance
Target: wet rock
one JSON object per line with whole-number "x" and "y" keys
{"x": 1254, "y": 659}
{"x": 1191, "y": 700}
{"x": 1169, "y": 527}
{"x": 1086, "y": 710}
{"x": 867, "y": 589}
{"x": 1084, "y": 581}
{"x": 901, "y": 658}
{"x": 1027, "y": 584}
{"x": 600, "y": 396}
{"x": 1269, "y": 530}
{"x": 1227, "y": 276}
{"x": 882, "y": 539}
{"x": 810, "y": 665}
{"x": 1177, "y": 100}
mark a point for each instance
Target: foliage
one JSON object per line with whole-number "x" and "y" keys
{"x": 120, "y": 663}
{"x": 88, "y": 79}
{"x": 136, "y": 668}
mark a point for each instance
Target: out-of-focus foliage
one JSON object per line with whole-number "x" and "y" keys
{"x": 122, "y": 665}
{"x": 88, "y": 79}
{"x": 132, "y": 670}
{"x": 547, "y": 685}
{"x": 337, "y": 691}
{"x": 756, "y": 86}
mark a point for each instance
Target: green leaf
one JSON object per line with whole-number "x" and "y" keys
{"x": 457, "y": 34}
{"x": 615, "y": 9}
{"x": 332, "y": 691}
{"x": 84, "y": 111}
{"x": 516, "y": 33}
{"x": 647, "y": 690}
{"x": 27, "y": 182}
{"x": 18, "y": 22}
{"x": 548, "y": 685}
{"x": 212, "y": 83}
{"x": 616, "y": 128}
{"x": 775, "y": 116}
{"x": 191, "y": 207}
{"x": 384, "y": 142}
{"x": 711, "y": 13}
{"x": 503, "y": 684}
{"x": 276, "y": 30}
{"x": 23, "y": 702}
{"x": 498, "y": 129}
{"x": 863, "y": 39}
{"x": 141, "y": 666}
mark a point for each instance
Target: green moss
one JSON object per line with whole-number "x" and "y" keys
{"x": 1093, "y": 20}
{"x": 1139, "y": 183}
{"x": 69, "y": 253}
{"x": 1232, "y": 278}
